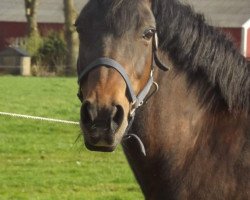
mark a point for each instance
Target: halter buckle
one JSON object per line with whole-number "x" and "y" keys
{"x": 133, "y": 108}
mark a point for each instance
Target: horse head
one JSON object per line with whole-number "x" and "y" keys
{"x": 115, "y": 68}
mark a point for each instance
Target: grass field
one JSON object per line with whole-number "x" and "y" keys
{"x": 42, "y": 160}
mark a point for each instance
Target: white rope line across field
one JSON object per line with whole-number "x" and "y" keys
{"x": 38, "y": 118}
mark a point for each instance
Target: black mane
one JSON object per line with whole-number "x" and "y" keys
{"x": 205, "y": 53}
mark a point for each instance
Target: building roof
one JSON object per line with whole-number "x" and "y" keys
{"x": 223, "y": 13}
{"x": 13, "y": 51}
{"x": 49, "y": 11}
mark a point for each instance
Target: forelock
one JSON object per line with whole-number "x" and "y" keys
{"x": 122, "y": 15}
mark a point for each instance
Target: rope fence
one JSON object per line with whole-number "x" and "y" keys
{"x": 38, "y": 118}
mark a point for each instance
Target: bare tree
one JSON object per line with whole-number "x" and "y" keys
{"x": 31, "y": 11}
{"x": 70, "y": 36}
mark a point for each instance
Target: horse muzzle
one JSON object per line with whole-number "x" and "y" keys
{"x": 101, "y": 125}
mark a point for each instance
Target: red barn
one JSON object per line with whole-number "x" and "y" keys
{"x": 13, "y": 24}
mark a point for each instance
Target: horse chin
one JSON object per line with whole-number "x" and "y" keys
{"x": 99, "y": 148}
{"x": 108, "y": 143}
{"x": 105, "y": 145}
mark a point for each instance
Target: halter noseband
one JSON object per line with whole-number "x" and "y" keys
{"x": 136, "y": 101}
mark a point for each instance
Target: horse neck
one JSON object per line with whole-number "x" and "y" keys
{"x": 172, "y": 115}
{"x": 176, "y": 121}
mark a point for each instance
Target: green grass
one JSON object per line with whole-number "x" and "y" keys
{"x": 42, "y": 160}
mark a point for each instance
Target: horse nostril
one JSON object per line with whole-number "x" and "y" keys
{"x": 117, "y": 117}
{"x": 107, "y": 119}
{"x": 87, "y": 113}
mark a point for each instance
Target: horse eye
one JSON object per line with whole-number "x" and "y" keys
{"x": 148, "y": 34}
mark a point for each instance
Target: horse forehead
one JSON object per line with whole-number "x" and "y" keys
{"x": 123, "y": 15}
{"x": 116, "y": 46}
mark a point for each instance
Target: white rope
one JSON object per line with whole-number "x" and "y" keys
{"x": 38, "y": 118}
